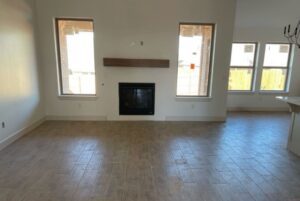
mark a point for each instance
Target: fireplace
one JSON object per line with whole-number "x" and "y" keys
{"x": 136, "y": 98}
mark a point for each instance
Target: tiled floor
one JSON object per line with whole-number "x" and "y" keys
{"x": 242, "y": 160}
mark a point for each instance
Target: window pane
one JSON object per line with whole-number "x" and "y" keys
{"x": 240, "y": 79}
{"x": 195, "y": 42}
{"x": 76, "y": 47}
{"x": 243, "y": 54}
{"x": 273, "y": 79}
{"x": 277, "y": 55}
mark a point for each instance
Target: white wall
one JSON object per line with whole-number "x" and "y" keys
{"x": 263, "y": 21}
{"x": 20, "y": 97}
{"x": 118, "y": 23}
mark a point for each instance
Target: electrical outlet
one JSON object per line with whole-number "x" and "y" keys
{"x": 3, "y": 124}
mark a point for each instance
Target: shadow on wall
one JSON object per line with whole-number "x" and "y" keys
{"x": 20, "y": 98}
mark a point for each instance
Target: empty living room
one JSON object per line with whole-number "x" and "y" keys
{"x": 149, "y": 100}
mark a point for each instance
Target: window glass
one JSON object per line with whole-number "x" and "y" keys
{"x": 277, "y": 55}
{"x": 273, "y": 79}
{"x": 242, "y": 66}
{"x": 243, "y": 54}
{"x": 76, "y": 56}
{"x": 240, "y": 79}
{"x": 194, "y": 60}
{"x": 276, "y": 67}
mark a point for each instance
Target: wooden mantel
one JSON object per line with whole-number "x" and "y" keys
{"x": 122, "y": 62}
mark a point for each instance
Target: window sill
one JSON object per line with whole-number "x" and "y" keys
{"x": 77, "y": 97}
{"x": 193, "y": 99}
{"x": 241, "y": 92}
{"x": 273, "y": 93}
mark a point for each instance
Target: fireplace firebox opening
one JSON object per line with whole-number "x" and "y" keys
{"x": 136, "y": 98}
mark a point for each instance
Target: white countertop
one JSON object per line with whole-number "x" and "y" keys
{"x": 290, "y": 100}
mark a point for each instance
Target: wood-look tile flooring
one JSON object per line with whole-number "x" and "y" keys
{"x": 243, "y": 159}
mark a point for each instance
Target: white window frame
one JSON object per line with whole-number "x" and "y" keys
{"x": 209, "y": 86}
{"x": 61, "y": 94}
{"x": 254, "y": 68}
{"x": 287, "y": 68}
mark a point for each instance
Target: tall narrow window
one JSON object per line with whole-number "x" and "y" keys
{"x": 194, "y": 59}
{"x": 75, "y": 45}
{"x": 242, "y": 66}
{"x": 276, "y": 67}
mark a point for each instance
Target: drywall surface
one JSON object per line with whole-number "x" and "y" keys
{"x": 118, "y": 25}
{"x": 20, "y": 96}
{"x": 263, "y": 22}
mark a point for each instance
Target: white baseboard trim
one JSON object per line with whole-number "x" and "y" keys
{"x": 257, "y": 109}
{"x": 104, "y": 118}
{"x": 76, "y": 118}
{"x": 196, "y": 118}
{"x": 15, "y": 136}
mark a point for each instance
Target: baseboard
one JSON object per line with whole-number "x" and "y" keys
{"x": 104, "y": 118}
{"x": 257, "y": 109}
{"x": 196, "y": 118}
{"x": 12, "y": 138}
{"x": 75, "y": 118}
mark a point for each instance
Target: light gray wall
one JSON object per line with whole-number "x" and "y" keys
{"x": 20, "y": 95}
{"x": 263, "y": 22}
{"x": 118, "y": 23}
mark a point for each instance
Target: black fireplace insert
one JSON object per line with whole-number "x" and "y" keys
{"x": 136, "y": 98}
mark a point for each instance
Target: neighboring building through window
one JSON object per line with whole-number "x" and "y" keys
{"x": 194, "y": 59}
{"x": 242, "y": 66}
{"x": 276, "y": 67}
{"x": 75, "y": 47}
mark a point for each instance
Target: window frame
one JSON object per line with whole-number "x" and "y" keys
{"x": 253, "y": 67}
{"x": 58, "y": 56}
{"x": 287, "y": 68}
{"x": 211, "y": 57}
